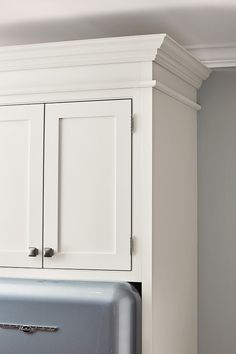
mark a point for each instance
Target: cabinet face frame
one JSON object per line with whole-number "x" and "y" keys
{"x": 141, "y": 189}
{"x": 114, "y": 115}
{"x": 22, "y": 129}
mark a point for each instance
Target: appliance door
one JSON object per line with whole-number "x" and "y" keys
{"x": 58, "y": 317}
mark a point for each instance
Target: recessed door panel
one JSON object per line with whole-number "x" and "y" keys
{"x": 21, "y": 176}
{"x": 88, "y": 185}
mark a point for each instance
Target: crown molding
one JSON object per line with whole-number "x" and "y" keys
{"x": 181, "y": 62}
{"x": 215, "y": 56}
{"x": 147, "y": 48}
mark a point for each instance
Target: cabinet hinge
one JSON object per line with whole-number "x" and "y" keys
{"x": 132, "y": 123}
{"x": 131, "y": 245}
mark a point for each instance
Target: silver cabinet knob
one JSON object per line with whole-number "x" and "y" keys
{"x": 33, "y": 252}
{"x": 48, "y": 252}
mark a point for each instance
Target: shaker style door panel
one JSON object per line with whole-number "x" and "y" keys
{"x": 21, "y": 178}
{"x": 87, "y": 211}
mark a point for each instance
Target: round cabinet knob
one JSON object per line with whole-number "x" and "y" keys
{"x": 33, "y": 252}
{"x": 48, "y": 252}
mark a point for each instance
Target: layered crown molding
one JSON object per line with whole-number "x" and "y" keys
{"x": 159, "y": 48}
{"x": 215, "y": 56}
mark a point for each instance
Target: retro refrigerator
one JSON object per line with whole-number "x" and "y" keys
{"x": 69, "y": 317}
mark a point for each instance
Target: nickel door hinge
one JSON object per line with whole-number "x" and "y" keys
{"x": 131, "y": 245}
{"x": 132, "y": 124}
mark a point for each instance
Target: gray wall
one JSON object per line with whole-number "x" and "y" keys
{"x": 217, "y": 213}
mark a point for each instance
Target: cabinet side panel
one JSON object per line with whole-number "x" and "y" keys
{"x": 174, "y": 226}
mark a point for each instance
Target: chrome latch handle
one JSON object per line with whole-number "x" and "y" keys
{"x": 48, "y": 252}
{"x": 28, "y": 329}
{"x": 33, "y": 252}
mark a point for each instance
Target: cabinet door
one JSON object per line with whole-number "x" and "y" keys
{"x": 88, "y": 185}
{"x": 21, "y": 178}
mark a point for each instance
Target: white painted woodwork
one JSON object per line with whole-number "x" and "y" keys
{"x": 91, "y": 65}
{"x": 21, "y": 178}
{"x": 215, "y": 56}
{"x": 161, "y": 78}
{"x": 87, "y": 186}
{"x": 174, "y": 225}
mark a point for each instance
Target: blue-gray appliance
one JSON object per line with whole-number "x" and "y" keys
{"x": 63, "y": 317}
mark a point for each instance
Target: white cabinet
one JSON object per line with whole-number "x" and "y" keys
{"x": 21, "y": 179}
{"x": 87, "y": 185}
{"x": 76, "y": 182}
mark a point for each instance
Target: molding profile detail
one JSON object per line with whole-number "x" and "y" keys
{"x": 181, "y": 98}
{"x": 78, "y": 88}
{"x": 215, "y": 56}
{"x": 98, "y": 64}
{"x": 157, "y": 47}
{"x": 180, "y": 62}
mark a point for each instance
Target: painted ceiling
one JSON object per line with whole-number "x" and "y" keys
{"x": 191, "y": 22}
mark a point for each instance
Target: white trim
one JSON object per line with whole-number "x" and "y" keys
{"x": 78, "y": 88}
{"x": 215, "y": 56}
{"x": 105, "y": 86}
{"x": 181, "y": 62}
{"x": 147, "y": 48}
{"x": 178, "y": 96}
